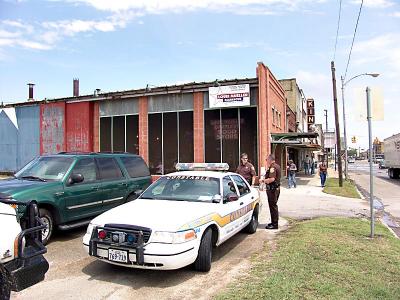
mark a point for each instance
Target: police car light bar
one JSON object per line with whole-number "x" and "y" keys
{"x": 202, "y": 167}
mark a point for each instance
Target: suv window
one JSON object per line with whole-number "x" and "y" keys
{"x": 135, "y": 166}
{"x": 86, "y": 167}
{"x": 108, "y": 168}
{"x": 227, "y": 187}
{"x": 241, "y": 184}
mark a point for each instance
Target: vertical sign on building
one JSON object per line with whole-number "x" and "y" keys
{"x": 310, "y": 115}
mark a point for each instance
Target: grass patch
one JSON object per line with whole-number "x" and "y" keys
{"x": 348, "y": 190}
{"x": 327, "y": 258}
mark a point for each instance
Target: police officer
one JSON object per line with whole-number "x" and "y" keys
{"x": 272, "y": 181}
{"x": 246, "y": 169}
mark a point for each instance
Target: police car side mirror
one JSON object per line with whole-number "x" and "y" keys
{"x": 231, "y": 197}
{"x": 217, "y": 198}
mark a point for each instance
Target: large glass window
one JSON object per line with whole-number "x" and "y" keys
{"x": 235, "y": 130}
{"x": 118, "y": 135}
{"x": 248, "y": 134}
{"x": 186, "y": 153}
{"x": 230, "y": 137}
{"x": 105, "y": 134}
{"x": 212, "y": 131}
{"x": 132, "y": 134}
{"x": 170, "y": 141}
{"x": 155, "y": 143}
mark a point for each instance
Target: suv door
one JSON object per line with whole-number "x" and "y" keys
{"x": 245, "y": 200}
{"x": 113, "y": 185}
{"x": 229, "y": 208}
{"x": 83, "y": 199}
{"x": 138, "y": 173}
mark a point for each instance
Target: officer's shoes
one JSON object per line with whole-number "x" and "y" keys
{"x": 271, "y": 226}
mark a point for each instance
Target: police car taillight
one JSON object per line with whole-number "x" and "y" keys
{"x": 202, "y": 167}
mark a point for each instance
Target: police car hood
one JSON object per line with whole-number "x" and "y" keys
{"x": 160, "y": 215}
{"x": 7, "y": 210}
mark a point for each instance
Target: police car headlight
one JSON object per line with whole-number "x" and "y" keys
{"x": 173, "y": 237}
{"x": 90, "y": 228}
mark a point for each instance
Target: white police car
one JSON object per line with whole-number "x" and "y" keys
{"x": 176, "y": 221}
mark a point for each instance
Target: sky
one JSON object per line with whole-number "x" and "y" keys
{"x": 127, "y": 44}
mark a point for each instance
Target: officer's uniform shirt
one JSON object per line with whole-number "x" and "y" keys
{"x": 247, "y": 171}
{"x": 274, "y": 171}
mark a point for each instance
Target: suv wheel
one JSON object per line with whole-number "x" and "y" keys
{"x": 47, "y": 218}
{"x": 203, "y": 260}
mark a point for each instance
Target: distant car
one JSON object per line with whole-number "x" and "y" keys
{"x": 351, "y": 160}
{"x": 176, "y": 222}
{"x": 72, "y": 188}
{"x": 381, "y": 164}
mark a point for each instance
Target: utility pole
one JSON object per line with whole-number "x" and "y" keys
{"x": 371, "y": 162}
{"x": 326, "y": 120}
{"x": 338, "y": 147}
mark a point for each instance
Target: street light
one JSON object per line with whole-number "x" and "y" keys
{"x": 344, "y": 116}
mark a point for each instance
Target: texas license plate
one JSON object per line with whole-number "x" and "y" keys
{"x": 118, "y": 255}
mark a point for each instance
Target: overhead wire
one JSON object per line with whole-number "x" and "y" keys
{"x": 337, "y": 30}
{"x": 354, "y": 36}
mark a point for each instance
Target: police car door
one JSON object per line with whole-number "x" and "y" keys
{"x": 245, "y": 201}
{"x": 229, "y": 209}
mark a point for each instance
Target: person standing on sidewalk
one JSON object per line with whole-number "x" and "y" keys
{"x": 292, "y": 168}
{"x": 246, "y": 169}
{"x": 312, "y": 165}
{"x": 323, "y": 172}
{"x": 307, "y": 165}
{"x": 272, "y": 182}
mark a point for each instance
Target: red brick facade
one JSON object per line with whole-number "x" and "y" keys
{"x": 143, "y": 129}
{"x": 96, "y": 127}
{"x": 198, "y": 127}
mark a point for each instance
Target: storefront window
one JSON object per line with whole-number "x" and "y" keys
{"x": 186, "y": 153}
{"x": 155, "y": 143}
{"x": 248, "y": 133}
{"x": 170, "y": 141}
{"x": 132, "y": 134}
{"x": 118, "y": 136}
{"x": 212, "y": 128}
{"x": 230, "y": 137}
{"x": 105, "y": 134}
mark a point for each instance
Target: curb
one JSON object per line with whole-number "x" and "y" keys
{"x": 389, "y": 228}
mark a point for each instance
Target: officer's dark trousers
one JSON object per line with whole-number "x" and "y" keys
{"x": 273, "y": 197}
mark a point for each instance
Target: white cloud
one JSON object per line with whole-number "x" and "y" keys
{"x": 233, "y": 6}
{"x": 232, "y": 45}
{"x": 374, "y": 3}
{"x": 396, "y": 14}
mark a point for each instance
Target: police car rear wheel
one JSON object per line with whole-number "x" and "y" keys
{"x": 252, "y": 226}
{"x": 203, "y": 260}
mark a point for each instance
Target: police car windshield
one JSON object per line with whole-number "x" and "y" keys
{"x": 183, "y": 188}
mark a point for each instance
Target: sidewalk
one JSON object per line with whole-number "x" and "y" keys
{"x": 308, "y": 201}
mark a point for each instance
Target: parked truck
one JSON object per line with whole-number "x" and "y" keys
{"x": 21, "y": 249}
{"x": 392, "y": 155}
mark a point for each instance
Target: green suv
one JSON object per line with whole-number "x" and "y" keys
{"x": 72, "y": 188}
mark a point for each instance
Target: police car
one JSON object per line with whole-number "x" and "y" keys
{"x": 177, "y": 220}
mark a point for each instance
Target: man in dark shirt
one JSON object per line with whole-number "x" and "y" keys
{"x": 246, "y": 169}
{"x": 272, "y": 181}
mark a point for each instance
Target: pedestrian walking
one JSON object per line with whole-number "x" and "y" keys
{"x": 272, "y": 182}
{"x": 312, "y": 165}
{"x": 246, "y": 169}
{"x": 292, "y": 168}
{"x": 307, "y": 165}
{"x": 323, "y": 172}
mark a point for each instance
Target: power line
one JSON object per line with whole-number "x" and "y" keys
{"x": 337, "y": 30}
{"x": 354, "y": 36}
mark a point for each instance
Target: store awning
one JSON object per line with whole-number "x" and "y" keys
{"x": 295, "y": 140}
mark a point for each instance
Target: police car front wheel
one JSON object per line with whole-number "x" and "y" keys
{"x": 203, "y": 260}
{"x": 252, "y": 226}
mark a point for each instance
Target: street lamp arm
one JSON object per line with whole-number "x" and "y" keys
{"x": 363, "y": 74}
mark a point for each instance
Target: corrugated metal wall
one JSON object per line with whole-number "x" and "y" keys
{"x": 28, "y": 134}
{"x": 52, "y": 128}
{"x": 119, "y": 107}
{"x": 19, "y": 143}
{"x": 8, "y": 143}
{"x": 170, "y": 102}
{"x": 79, "y": 126}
